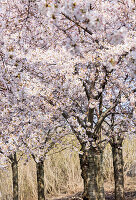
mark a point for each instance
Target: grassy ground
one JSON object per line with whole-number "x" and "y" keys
{"x": 130, "y": 191}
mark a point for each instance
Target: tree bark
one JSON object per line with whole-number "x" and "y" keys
{"x": 92, "y": 174}
{"x": 14, "y": 165}
{"x": 118, "y": 170}
{"x": 40, "y": 180}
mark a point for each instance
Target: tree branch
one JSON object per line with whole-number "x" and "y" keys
{"x": 77, "y": 24}
{"x": 66, "y": 116}
{"x": 86, "y": 90}
{"x": 80, "y": 121}
{"x": 103, "y": 116}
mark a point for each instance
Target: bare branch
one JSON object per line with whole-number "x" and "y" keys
{"x": 77, "y": 24}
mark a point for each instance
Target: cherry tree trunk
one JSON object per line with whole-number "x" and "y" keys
{"x": 92, "y": 174}
{"x": 118, "y": 170}
{"x": 14, "y": 165}
{"x": 40, "y": 180}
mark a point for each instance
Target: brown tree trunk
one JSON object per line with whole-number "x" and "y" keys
{"x": 118, "y": 170}
{"x": 92, "y": 174}
{"x": 40, "y": 180}
{"x": 14, "y": 165}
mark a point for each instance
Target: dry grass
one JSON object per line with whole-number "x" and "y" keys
{"x": 62, "y": 174}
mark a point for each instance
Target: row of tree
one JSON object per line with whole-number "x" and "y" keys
{"x": 67, "y": 65}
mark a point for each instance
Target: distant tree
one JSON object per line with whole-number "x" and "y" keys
{"x": 121, "y": 126}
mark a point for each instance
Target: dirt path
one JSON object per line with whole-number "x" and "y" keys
{"x": 130, "y": 192}
{"x": 109, "y": 196}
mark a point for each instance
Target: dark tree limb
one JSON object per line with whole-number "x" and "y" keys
{"x": 77, "y": 133}
{"x": 77, "y": 24}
